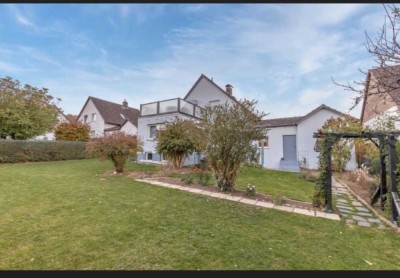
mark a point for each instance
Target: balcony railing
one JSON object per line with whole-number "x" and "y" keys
{"x": 170, "y": 106}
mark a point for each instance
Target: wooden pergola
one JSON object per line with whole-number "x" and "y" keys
{"x": 385, "y": 138}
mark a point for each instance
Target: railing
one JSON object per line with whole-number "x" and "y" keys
{"x": 170, "y": 106}
{"x": 396, "y": 207}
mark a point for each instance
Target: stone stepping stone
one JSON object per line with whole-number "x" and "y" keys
{"x": 343, "y": 206}
{"x": 344, "y": 210}
{"x": 358, "y": 218}
{"x": 364, "y": 214}
{"x": 374, "y": 220}
{"x": 361, "y": 209}
{"x": 381, "y": 226}
{"x": 341, "y": 201}
{"x": 365, "y": 224}
{"x": 355, "y": 203}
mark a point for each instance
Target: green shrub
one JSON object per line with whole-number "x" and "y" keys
{"x": 13, "y": 151}
{"x": 250, "y": 190}
{"x": 187, "y": 180}
{"x": 204, "y": 178}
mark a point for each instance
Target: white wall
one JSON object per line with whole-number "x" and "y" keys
{"x": 149, "y": 145}
{"x": 129, "y": 128}
{"x": 98, "y": 125}
{"x": 274, "y": 152}
{"x": 205, "y": 92}
{"x": 306, "y": 142}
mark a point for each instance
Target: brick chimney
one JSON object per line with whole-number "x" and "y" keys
{"x": 125, "y": 104}
{"x": 229, "y": 89}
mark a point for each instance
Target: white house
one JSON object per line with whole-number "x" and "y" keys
{"x": 105, "y": 117}
{"x": 290, "y": 144}
{"x": 155, "y": 114}
{"x": 50, "y": 135}
{"x": 381, "y": 96}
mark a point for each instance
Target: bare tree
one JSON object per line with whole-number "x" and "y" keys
{"x": 383, "y": 79}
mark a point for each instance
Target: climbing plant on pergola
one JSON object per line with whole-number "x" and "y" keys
{"x": 385, "y": 138}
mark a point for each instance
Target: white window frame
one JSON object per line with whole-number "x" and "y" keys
{"x": 93, "y": 117}
{"x": 150, "y": 135}
{"x": 85, "y": 118}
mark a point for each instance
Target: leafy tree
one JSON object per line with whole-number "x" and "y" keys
{"x": 25, "y": 111}
{"x": 341, "y": 150}
{"x": 117, "y": 147}
{"x": 230, "y": 132}
{"x": 178, "y": 139}
{"x": 72, "y": 132}
{"x": 385, "y": 48}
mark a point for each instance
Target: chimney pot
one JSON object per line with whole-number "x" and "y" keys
{"x": 125, "y": 104}
{"x": 229, "y": 89}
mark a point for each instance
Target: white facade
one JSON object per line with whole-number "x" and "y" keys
{"x": 91, "y": 116}
{"x": 98, "y": 127}
{"x": 204, "y": 92}
{"x": 304, "y": 130}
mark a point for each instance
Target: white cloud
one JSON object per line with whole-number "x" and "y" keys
{"x": 20, "y": 17}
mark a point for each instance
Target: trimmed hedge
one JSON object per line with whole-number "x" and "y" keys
{"x": 12, "y": 151}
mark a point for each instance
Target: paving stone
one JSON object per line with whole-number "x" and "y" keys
{"x": 341, "y": 200}
{"x": 381, "y": 226}
{"x": 356, "y": 203}
{"x": 284, "y": 208}
{"x": 233, "y": 198}
{"x": 331, "y": 216}
{"x": 344, "y": 206}
{"x": 374, "y": 220}
{"x": 364, "y": 214}
{"x": 363, "y": 223}
{"x": 344, "y": 210}
{"x": 265, "y": 204}
{"x": 248, "y": 201}
{"x": 362, "y": 209}
{"x": 304, "y": 211}
{"x": 359, "y": 218}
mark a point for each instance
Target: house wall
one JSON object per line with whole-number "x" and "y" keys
{"x": 392, "y": 111}
{"x": 149, "y": 145}
{"x": 376, "y": 103}
{"x": 274, "y": 152}
{"x": 98, "y": 126}
{"x": 129, "y": 128}
{"x": 308, "y": 158}
{"x": 205, "y": 92}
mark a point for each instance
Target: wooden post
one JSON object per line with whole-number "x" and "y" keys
{"x": 328, "y": 146}
{"x": 383, "y": 185}
{"x": 393, "y": 182}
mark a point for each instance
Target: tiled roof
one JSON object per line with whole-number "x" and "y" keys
{"x": 281, "y": 121}
{"x": 295, "y": 120}
{"x": 111, "y": 112}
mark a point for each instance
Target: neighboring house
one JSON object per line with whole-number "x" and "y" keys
{"x": 290, "y": 144}
{"x": 50, "y": 135}
{"x": 381, "y": 95}
{"x": 106, "y": 117}
{"x": 154, "y": 115}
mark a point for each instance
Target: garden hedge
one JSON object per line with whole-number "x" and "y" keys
{"x": 12, "y": 151}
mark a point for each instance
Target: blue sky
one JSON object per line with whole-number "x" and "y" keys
{"x": 282, "y": 55}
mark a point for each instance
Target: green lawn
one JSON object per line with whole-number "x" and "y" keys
{"x": 271, "y": 182}
{"x": 61, "y": 216}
